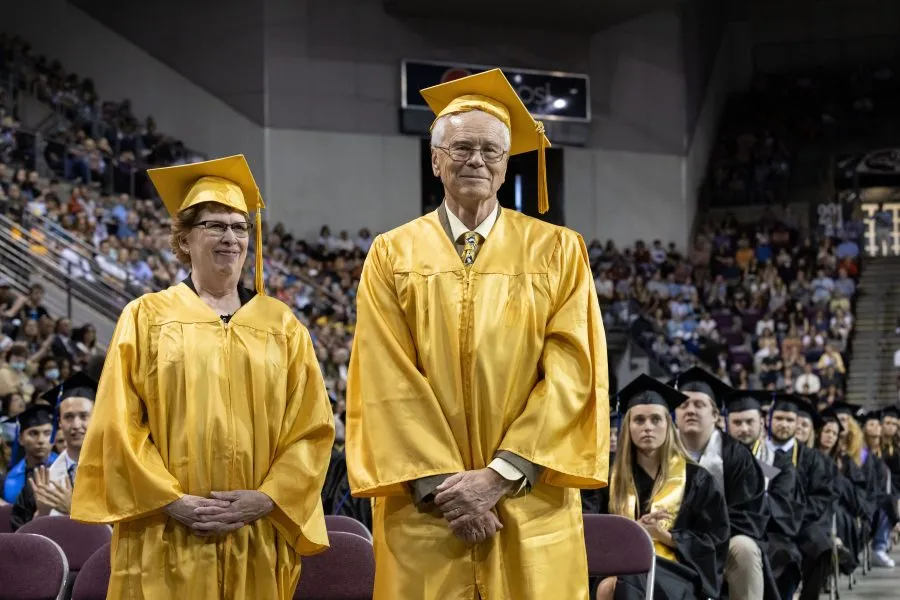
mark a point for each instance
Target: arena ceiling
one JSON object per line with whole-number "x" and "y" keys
{"x": 566, "y": 15}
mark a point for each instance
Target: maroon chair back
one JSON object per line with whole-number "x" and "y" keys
{"x": 32, "y": 567}
{"x": 93, "y": 579}
{"x": 78, "y": 540}
{"x": 346, "y": 571}
{"x": 5, "y": 513}
{"x": 618, "y": 546}
{"x": 347, "y": 524}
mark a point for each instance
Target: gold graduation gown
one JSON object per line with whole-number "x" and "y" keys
{"x": 450, "y": 365}
{"x": 188, "y": 405}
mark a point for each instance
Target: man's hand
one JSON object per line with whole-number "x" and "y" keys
{"x": 184, "y": 510}
{"x": 477, "y": 530}
{"x": 49, "y": 495}
{"x": 470, "y": 494}
{"x": 241, "y": 507}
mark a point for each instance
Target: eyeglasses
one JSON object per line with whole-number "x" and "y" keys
{"x": 241, "y": 229}
{"x": 460, "y": 153}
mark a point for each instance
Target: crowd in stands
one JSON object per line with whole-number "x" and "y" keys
{"x": 757, "y": 305}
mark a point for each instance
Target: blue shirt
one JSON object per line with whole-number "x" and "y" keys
{"x": 15, "y": 479}
{"x": 848, "y": 249}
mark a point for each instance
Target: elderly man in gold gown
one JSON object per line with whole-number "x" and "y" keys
{"x": 212, "y": 429}
{"x": 477, "y": 392}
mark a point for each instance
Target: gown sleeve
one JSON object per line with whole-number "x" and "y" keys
{"x": 396, "y": 431}
{"x": 564, "y": 427}
{"x": 121, "y": 474}
{"x": 297, "y": 473}
{"x": 745, "y": 493}
{"x": 701, "y": 532}
{"x": 819, "y": 495}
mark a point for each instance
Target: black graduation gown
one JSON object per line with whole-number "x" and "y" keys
{"x": 745, "y": 495}
{"x": 24, "y": 508}
{"x": 892, "y": 460}
{"x": 700, "y": 532}
{"x": 590, "y": 499}
{"x": 336, "y": 498}
{"x": 819, "y": 495}
{"x": 785, "y": 503}
{"x": 847, "y": 509}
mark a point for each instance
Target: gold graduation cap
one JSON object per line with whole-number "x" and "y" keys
{"x": 492, "y": 93}
{"x": 227, "y": 181}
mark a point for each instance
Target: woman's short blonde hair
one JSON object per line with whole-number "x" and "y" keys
{"x": 184, "y": 222}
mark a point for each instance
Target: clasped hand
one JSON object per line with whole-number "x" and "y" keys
{"x": 222, "y": 513}
{"x": 651, "y": 524}
{"x": 467, "y": 501}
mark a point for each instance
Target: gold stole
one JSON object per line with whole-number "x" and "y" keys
{"x": 794, "y": 454}
{"x": 668, "y": 499}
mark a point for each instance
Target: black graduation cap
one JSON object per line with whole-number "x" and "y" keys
{"x": 789, "y": 403}
{"x": 844, "y": 408}
{"x": 78, "y": 385}
{"x": 890, "y": 411}
{"x": 646, "y": 390}
{"x": 807, "y": 408}
{"x": 700, "y": 380}
{"x": 741, "y": 400}
{"x": 35, "y": 416}
{"x": 863, "y": 416}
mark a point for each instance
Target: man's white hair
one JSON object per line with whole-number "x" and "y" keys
{"x": 440, "y": 127}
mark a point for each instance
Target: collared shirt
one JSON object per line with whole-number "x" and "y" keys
{"x": 503, "y": 467}
{"x": 785, "y": 447}
{"x": 457, "y": 227}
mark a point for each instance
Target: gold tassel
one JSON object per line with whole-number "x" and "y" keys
{"x": 543, "y": 197}
{"x": 260, "y": 283}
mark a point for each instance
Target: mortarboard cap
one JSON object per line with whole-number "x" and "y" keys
{"x": 492, "y": 93}
{"x": 743, "y": 400}
{"x": 227, "y": 181}
{"x": 844, "y": 408}
{"x": 890, "y": 411}
{"x": 696, "y": 379}
{"x": 863, "y": 416}
{"x": 35, "y": 416}
{"x": 646, "y": 390}
{"x": 78, "y": 385}
{"x": 787, "y": 403}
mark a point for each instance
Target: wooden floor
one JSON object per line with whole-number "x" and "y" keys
{"x": 881, "y": 584}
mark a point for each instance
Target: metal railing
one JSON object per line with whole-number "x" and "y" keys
{"x": 30, "y": 251}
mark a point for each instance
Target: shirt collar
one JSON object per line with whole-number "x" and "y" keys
{"x": 69, "y": 460}
{"x": 457, "y": 227}
{"x": 786, "y": 447}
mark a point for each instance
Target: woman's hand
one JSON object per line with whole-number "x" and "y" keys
{"x": 651, "y": 524}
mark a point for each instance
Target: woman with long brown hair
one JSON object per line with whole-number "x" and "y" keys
{"x": 654, "y": 482}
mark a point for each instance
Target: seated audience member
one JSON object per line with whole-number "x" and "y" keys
{"x": 737, "y": 475}
{"x": 35, "y": 425}
{"x": 655, "y": 483}
{"x": 49, "y": 491}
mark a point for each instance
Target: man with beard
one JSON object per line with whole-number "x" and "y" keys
{"x": 736, "y": 474}
{"x": 816, "y": 491}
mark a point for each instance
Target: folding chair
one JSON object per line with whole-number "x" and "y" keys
{"x": 79, "y": 541}
{"x": 346, "y": 571}
{"x": 618, "y": 546}
{"x": 33, "y": 568}
{"x": 347, "y": 524}
{"x": 92, "y": 582}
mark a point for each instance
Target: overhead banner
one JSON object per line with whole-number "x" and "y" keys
{"x": 549, "y": 95}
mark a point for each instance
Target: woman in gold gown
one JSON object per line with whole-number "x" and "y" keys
{"x": 212, "y": 429}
